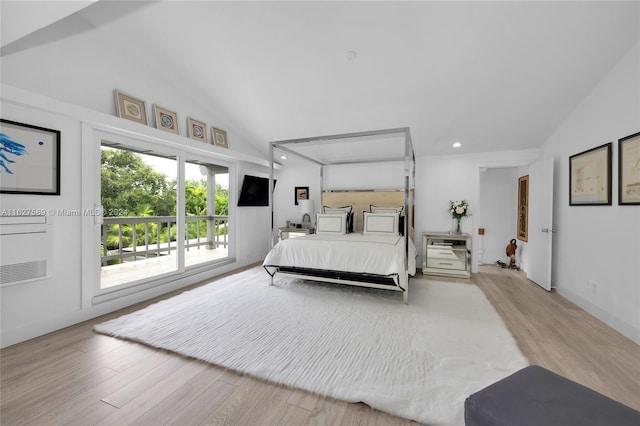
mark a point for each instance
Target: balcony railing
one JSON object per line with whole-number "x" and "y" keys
{"x": 158, "y": 236}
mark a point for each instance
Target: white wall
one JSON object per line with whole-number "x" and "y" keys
{"x": 299, "y": 174}
{"x": 254, "y": 223}
{"x": 33, "y": 308}
{"x": 596, "y": 253}
{"x": 498, "y": 207}
{"x": 455, "y": 177}
{"x": 84, "y": 67}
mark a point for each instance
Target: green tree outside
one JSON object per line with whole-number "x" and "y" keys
{"x": 133, "y": 188}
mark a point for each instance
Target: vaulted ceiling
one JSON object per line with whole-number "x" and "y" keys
{"x": 492, "y": 75}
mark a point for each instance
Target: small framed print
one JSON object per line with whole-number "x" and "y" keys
{"x": 629, "y": 170}
{"x": 165, "y": 119}
{"x": 590, "y": 177}
{"x": 196, "y": 130}
{"x": 130, "y": 108}
{"x": 301, "y": 193}
{"x": 219, "y": 137}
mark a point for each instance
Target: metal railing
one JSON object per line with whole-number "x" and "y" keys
{"x": 158, "y": 236}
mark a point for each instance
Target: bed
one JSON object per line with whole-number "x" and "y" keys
{"x": 363, "y": 237}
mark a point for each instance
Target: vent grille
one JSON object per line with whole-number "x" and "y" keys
{"x": 16, "y": 272}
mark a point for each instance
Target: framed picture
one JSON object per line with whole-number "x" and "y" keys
{"x": 29, "y": 159}
{"x": 165, "y": 119}
{"x": 523, "y": 208}
{"x": 301, "y": 193}
{"x": 130, "y": 108}
{"x": 590, "y": 177}
{"x": 196, "y": 130}
{"x": 629, "y": 170}
{"x": 219, "y": 137}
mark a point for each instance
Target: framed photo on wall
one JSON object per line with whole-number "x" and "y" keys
{"x": 301, "y": 193}
{"x": 130, "y": 108}
{"x": 196, "y": 130}
{"x": 590, "y": 177}
{"x": 629, "y": 170}
{"x": 30, "y": 159}
{"x": 523, "y": 208}
{"x": 165, "y": 119}
{"x": 219, "y": 137}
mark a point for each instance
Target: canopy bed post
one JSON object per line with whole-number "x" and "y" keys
{"x": 272, "y": 235}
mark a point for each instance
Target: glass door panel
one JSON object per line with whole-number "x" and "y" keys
{"x": 138, "y": 233}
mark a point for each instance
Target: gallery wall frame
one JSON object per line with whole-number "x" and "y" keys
{"x": 629, "y": 170}
{"x": 29, "y": 159}
{"x": 130, "y": 108}
{"x": 523, "y": 208}
{"x": 590, "y": 177}
{"x": 219, "y": 137}
{"x": 196, "y": 130}
{"x": 301, "y": 193}
{"x": 166, "y": 120}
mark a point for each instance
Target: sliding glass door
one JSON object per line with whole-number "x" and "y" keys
{"x": 143, "y": 196}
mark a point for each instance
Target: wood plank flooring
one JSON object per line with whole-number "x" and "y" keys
{"x": 77, "y": 377}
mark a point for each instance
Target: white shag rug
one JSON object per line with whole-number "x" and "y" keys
{"x": 418, "y": 361}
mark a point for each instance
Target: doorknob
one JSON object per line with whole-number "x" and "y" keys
{"x": 548, "y": 230}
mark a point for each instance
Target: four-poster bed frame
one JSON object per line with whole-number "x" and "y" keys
{"x": 405, "y": 155}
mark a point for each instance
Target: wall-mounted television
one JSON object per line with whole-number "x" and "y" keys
{"x": 254, "y": 192}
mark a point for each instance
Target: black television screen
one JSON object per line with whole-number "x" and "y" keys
{"x": 254, "y": 192}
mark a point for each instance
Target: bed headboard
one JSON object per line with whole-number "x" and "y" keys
{"x": 360, "y": 200}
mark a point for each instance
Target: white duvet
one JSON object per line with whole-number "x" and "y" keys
{"x": 371, "y": 254}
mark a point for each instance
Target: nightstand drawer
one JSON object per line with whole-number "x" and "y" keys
{"x": 435, "y": 252}
{"x": 453, "y": 263}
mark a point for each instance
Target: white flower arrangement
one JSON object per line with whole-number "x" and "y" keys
{"x": 459, "y": 209}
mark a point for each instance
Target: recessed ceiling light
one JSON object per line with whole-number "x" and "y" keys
{"x": 351, "y": 55}
{"x": 457, "y": 144}
{"x": 283, "y": 157}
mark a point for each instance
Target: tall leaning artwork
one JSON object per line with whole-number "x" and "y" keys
{"x": 523, "y": 208}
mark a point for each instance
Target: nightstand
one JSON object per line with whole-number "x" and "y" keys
{"x": 446, "y": 254}
{"x": 285, "y": 232}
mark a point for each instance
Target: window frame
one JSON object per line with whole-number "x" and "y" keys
{"x": 93, "y": 136}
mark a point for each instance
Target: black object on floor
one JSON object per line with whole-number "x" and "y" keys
{"x": 535, "y": 396}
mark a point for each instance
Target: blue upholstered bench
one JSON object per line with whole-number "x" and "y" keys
{"x": 535, "y": 396}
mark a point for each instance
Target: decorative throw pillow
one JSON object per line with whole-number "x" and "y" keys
{"x": 331, "y": 223}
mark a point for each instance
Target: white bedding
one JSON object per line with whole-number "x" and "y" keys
{"x": 371, "y": 254}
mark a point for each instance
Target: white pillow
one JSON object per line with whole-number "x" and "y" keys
{"x": 378, "y": 209}
{"x": 331, "y": 223}
{"x": 381, "y": 223}
{"x": 345, "y": 209}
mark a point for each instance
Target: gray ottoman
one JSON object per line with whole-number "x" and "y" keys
{"x": 535, "y": 396}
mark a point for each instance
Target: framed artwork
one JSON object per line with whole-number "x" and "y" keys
{"x": 196, "y": 130}
{"x": 165, "y": 119}
{"x": 219, "y": 137}
{"x": 590, "y": 177}
{"x": 29, "y": 159}
{"x": 301, "y": 193}
{"x": 629, "y": 170}
{"x": 523, "y": 208}
{"x": 130, "y": 108}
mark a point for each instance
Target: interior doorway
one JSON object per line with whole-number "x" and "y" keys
{"x": 497, "y": 213}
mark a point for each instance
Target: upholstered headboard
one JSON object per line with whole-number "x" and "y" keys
{"x": 361, "y": 199}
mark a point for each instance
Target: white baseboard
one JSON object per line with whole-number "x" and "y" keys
{"x": 628, "y": 330}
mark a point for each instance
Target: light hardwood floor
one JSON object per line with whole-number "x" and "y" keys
{"x": 77, "y": 377}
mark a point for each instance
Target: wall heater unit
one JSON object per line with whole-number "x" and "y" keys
{"x": 25, "y": 249}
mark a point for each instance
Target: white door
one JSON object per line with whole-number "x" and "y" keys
{"x": 540, "y": 232}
